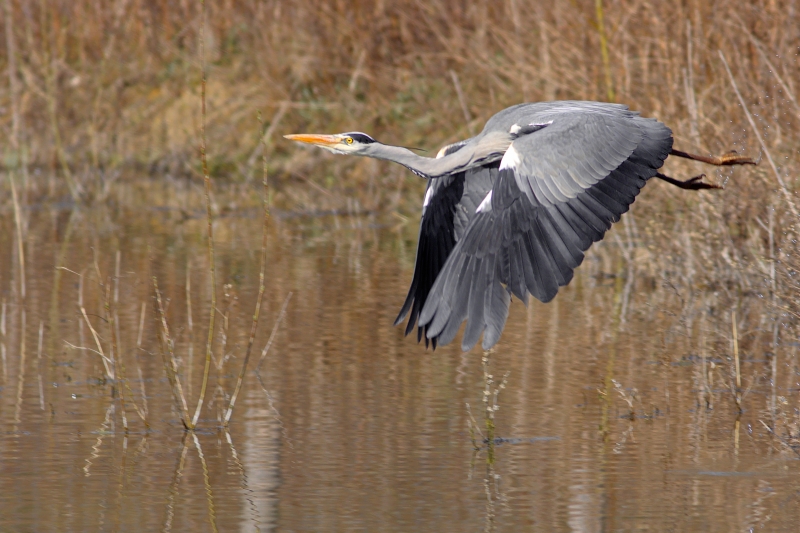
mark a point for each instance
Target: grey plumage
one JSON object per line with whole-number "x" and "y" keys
{"x": 574, "y": 177}
{"x": 512, "y": 210}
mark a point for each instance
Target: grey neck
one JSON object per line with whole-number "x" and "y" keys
{"x": 477, "y": 152}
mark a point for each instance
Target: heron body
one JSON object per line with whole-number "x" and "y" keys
{"x": 512, "y": 210}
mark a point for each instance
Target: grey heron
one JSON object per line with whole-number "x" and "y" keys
{"x": 512, "y": 210}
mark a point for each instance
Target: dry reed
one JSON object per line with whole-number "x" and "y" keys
{"x": 209, "y": 222}
{"x": 168, "y": 355}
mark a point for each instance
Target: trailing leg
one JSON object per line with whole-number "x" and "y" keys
{"x": 692, "y": 184}
{"x": 731, "y": 158}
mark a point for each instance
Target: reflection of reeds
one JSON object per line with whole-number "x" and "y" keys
{"x": 491, "y": 405}
{"x": 614, "y": 326}
{"x": 252, "y": 495}
{"x": 39, "y": 364}
{"x": 21, "y": 371}
{"x": 172, "y": 492}
{"x": 20, "y": 242}
{"x": 3, "y": 342}
{"x": 136, "y": 359}
{"x": 212, "y": 516}
{"x": 102, "y": 432}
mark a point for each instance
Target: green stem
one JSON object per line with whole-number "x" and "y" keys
{"x": 601, "y": 29}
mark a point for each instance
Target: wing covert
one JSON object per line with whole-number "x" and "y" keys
{"x": 573, "y": 153}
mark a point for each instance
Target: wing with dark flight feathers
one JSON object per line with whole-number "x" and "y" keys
{"x": 436, "y": 241}
{"x": 559, "y": 189}
{"x": 450, "y": 204}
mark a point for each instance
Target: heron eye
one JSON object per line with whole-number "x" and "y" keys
{"x": 348, "y": 140}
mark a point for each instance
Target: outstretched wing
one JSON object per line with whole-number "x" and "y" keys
{"x": 559, "y": 190}
{"x": 450, "y": 204}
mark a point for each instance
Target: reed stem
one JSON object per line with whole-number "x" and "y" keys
{"x": 601, "y": 29}
{"x": 737, "y": 393}
{"x": 168, "y": 355}
{"x": 209, "y": 221}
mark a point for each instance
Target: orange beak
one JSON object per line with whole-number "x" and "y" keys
{"x": 314, "y": 138}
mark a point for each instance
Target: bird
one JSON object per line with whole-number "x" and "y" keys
{"x": 512, "y": 210}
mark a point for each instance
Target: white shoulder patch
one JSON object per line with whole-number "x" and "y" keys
{"x": 486, "y": 204}
{"x": 530, "y": 128}
{"x": 428, "y": 196}
{"x": 510, "y": 159}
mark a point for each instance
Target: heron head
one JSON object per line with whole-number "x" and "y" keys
{"x": 353, "y": 142}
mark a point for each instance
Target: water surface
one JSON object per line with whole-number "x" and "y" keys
{"x": 614, "y": 402}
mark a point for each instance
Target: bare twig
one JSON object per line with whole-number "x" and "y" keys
{"x": 170, "y": 365}
{"x": 781, "y": 439}
{"x": 265, "y": 351}
{"x": 474, "y": 428}
{"x": 108, "y": 364}
{"x": 115, "y": 353}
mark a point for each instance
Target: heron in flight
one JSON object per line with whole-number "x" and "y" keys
{"x": 512, "y": 210}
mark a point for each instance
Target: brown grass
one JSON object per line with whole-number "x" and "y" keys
{"x": 123, "y": 82}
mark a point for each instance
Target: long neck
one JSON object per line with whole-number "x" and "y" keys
{"x": 471, "y": 155}
{"x": 426, "y": 167}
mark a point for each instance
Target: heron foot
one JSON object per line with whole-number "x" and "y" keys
{"x": 692, "y": 184}
{"x": 728, "y": 159}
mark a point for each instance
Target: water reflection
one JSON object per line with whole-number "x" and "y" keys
{"x": 617, "y": 412}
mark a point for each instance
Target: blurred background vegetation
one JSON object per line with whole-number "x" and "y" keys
{"x": 92, "y": 91}
{"x": 102, "y": 101}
